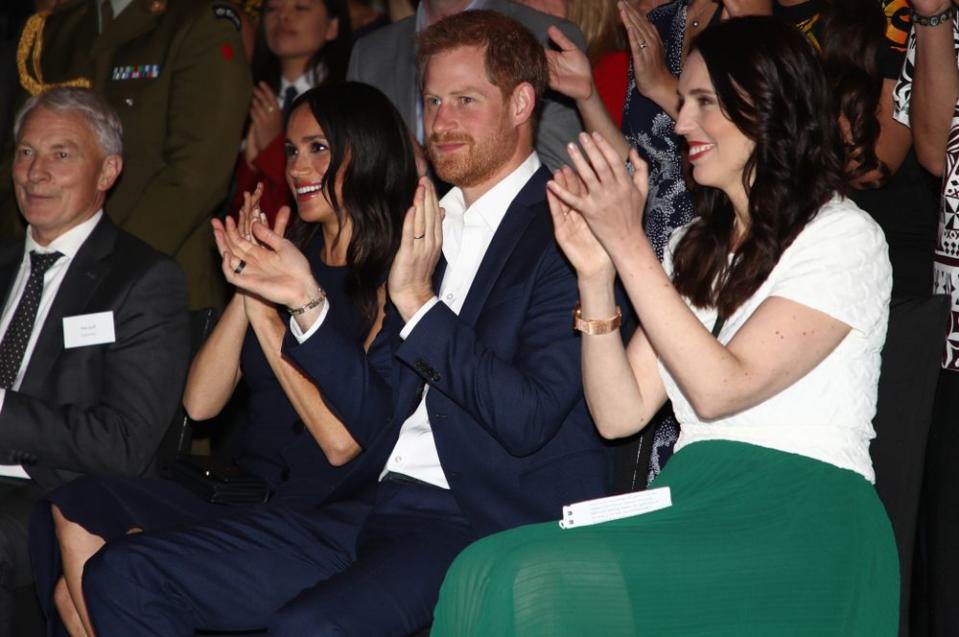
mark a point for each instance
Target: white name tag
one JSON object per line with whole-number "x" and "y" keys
{"x": 615, "y": 507}
{"x": 88, "y": 329}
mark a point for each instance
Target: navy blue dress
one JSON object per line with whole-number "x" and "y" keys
{"x": 275, "y": 446}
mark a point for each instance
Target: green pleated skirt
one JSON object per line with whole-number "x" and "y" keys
{"x": 757, "y": 542}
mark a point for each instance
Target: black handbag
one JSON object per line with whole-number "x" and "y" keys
{"x": 219, "y": 482}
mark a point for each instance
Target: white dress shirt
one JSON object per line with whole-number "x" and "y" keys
{"x": 467, "y": 233}
{"x": 68, "y": 244}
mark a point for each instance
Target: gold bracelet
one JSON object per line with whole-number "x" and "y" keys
{"x": 596, "y": 326}
{"x": 309, "y": 305}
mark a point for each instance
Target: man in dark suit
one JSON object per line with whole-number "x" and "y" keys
{"x": 175, "y": 73}
{"x": 94, "y": 343}
{"x": 386, "y": 59}
{"x": 468, "y": 406}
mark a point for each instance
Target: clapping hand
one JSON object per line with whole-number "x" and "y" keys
{"x": 266, "y": 264}
{"x": 266, "y": 119}
{"x": 569, "y": 69}
{"x": 572, "y": 232}
{"x": 648, "y": 52}
{"x": 410, "y": 282}
{"x": 610, "y": 200}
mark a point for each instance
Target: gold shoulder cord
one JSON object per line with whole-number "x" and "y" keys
{"x": 31, "y": 45}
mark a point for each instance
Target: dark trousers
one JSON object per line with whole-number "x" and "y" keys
{"x": 17, "y": 498}
{"x": 941, "y": 512}
{"x": 295, "y": 572}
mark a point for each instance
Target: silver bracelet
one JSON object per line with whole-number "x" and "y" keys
{"x": 309, "y": 305}
{"x": 933, "y": 20}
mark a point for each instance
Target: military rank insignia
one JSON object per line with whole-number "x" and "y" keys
{"x": 136, "y": 72}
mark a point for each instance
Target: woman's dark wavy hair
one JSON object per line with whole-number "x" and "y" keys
{"x": 370, "y": 145}
{"x": 333, "y": 56}
{"x": 853, "y": 34}
{"x": 769, "y": 82}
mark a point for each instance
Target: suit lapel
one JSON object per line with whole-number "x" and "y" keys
{"x": 82, "y": 279}
{"x": 505, "y": 240}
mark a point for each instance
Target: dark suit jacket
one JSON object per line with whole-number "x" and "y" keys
{"x": 386, "y": 59}
{"x": 505, "y": 401}
{"x": 100, "y": 408}
{"x": 181, "y": 128}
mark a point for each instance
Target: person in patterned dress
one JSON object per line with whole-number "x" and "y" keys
{"x": 927, "y": 100}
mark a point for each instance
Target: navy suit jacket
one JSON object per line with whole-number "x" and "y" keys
{"x": 505, "y": 403}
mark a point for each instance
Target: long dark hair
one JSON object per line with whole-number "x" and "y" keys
{"x": 852, "y": 37}
{"x": 370, "y": 145}
{"x": 332, "y": 57}
{"x": 769, "y": 82}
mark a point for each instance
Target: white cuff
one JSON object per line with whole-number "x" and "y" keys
{"x": 426, "y": 307}
{"x": 301, "y": 336}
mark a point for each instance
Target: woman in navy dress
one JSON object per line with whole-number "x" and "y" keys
{"x": 351, "y": 169}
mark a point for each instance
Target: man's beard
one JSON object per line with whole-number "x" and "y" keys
{"x": 477, "y": 162}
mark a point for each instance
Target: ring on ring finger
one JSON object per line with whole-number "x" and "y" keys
{"x": 239, "y": 267}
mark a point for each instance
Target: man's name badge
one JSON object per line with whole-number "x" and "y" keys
{"x": 88, "y": 329}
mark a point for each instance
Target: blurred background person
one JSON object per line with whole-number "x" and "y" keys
{"x": 175, "y": 72}
{"x": 862, "y": 45}
{"x": 299, "y": 44}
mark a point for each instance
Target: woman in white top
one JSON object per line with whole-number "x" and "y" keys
{"x": 764, "y": 327}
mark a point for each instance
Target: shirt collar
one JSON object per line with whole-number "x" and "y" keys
{"x": 421, "y": 12}
{"x": 67, "y": 243}
{"x": 302, "y": 84}
{"x": 492, "y": 206}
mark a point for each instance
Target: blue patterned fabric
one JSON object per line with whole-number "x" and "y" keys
{"x": 651, "y": 131}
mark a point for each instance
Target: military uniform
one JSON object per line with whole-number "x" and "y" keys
{"x": 175, "y": 72}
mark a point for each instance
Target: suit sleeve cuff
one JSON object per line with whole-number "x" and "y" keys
{"x": 411, "y": 324}
{"x": 302, "y": 336}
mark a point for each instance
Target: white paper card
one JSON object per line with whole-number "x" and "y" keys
{"x": 88, "y": 329}
{"x": 13, "y": 471}
{"x": 615, "y": 507}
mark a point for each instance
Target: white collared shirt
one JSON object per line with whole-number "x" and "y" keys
{"x": 302, "y": 84}
{"x": 68, "y": 244}
{"x": 467, "y": 233}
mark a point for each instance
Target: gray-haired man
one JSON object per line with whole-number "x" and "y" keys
{"x": 93, "y": 328}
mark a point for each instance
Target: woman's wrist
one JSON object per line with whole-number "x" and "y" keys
{"x": 597, "y": 299}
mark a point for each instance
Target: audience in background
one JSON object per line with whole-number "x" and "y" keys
{"x": 927, "y": 100}
{"x": 175, "y": 72}
{"x": 299, "y": 44}
{"x": 94, "y": 345}
{"x": 862, "y": 47}
{"x": 773, "y": 525}
{"x": 340, "y": 140}
{"x": 386, "y": 59}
